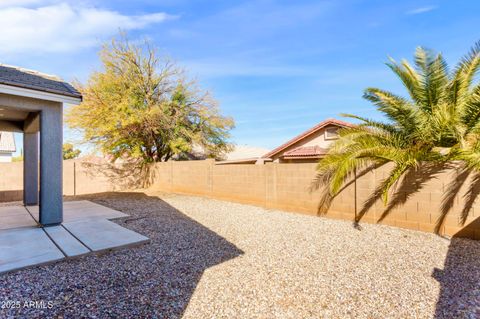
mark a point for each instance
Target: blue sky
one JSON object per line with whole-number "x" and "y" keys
{"x": 277, "y": 67}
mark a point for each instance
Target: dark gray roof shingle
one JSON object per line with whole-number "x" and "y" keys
{"x": 28, "y": 79}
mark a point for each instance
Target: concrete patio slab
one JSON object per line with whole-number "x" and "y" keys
{"x": 68, "y": 244}
{"x": 11, "y": 210}
{"x": 102, "y": 234}
{"x": 15, "y": 217}
{"x": 86, "y": 229}
{"x": 23, "y": 247}
{"x": 81, "y": 210}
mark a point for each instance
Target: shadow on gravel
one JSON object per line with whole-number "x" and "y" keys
{"x": 155, "y": 280}
{"x": 460, "y": 281}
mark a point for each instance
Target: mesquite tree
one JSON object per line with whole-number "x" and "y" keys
{"x": 141, "y": 106}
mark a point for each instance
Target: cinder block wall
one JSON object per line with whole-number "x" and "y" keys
{"x": 78, "y": 179}
{"x": 421, "y": 198}
{"x": 11, "y": 181}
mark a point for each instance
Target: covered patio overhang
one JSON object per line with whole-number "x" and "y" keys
{"x": 32, "y": 103}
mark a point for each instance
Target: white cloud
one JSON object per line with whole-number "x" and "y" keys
{"x": 62, "y": 27}
{"x": 20, "y": 3}
{"x": 421, "y": 10}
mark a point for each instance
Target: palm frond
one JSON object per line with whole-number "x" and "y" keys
{"x": 440, "y": 122}
{"x": 392, "y": 179}
{"x": 409, "y": 77}
{"x": 471, "y": 109}
{"x": 463, "y": 76}
{"x": 387, "y": 127}
{"x": 433, "y": 78}
{"x": 437, "y": 80}
{"x": 397, "y": 109}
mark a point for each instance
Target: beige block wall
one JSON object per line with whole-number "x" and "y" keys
{"x": 90, "y": 179}
{"x": 11, "y": 181}
{"x": 242, "y": 183}
{"x": 192, "y": 178}
{"x": 69, "y": 167}
{"x": 420, "y": 196}
{"x": 78, "y": 178}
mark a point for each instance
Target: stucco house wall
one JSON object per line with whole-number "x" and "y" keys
{"x": 32, "y": 102}
{"x": 7, "y": 147}
{"x": 5, "y": 157}
{"x": 316, "y": 139}
{"x": 309, "y": 146}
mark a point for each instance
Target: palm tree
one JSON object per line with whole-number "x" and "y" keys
{"x": 439, "y": 121}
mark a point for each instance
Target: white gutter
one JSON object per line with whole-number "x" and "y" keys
{"x": 13, "y": 90}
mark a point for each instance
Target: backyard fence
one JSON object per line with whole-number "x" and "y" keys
{"x": 441, "y": 199}
{"x": 78, "y": 178}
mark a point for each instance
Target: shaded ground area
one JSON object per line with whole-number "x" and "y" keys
{"x": 210, "y": 258}
{"x": 154, "y": 280}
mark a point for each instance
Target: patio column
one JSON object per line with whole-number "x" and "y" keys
{"x": 51, "y": 170}
{"x": 30, "y": 168}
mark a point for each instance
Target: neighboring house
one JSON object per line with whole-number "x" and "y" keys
{"x": 7, "y": 146}
{"x": 240, "y": 154}
{"x": 308, "y": 147}
{"x": 243, "y": 154}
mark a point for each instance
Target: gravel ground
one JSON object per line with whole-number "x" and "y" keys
{"x": 210, "y": 258}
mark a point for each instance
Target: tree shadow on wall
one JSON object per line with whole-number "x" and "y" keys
{"x": 11, "y": 195}
{"x": 451, "y": 195}
{"x": 413, "y": 181}
{"x": 125, "y": 176}
{"x": 326, "y": 198}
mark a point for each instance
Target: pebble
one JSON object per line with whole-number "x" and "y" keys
{"x": 215, "y": 259}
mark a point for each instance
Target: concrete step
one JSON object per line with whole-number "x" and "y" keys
{"x": 102, "y": 234}
{"x": 68, "y": 244}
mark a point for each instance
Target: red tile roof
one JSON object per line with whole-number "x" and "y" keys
{"x": 306, "y": 151}
{"x": 314, "y": 129}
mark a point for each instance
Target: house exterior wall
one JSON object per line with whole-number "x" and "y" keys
{"x": 5, "y": 157}
{"x": 7, "y": 143}
{"x": 25, "y": 103}
{"x": 317, "y": 138}
{"x": 50, "y": 119}
{"x": 298, "y": 160}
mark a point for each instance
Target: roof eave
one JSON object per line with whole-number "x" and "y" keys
{"x": 39, "y": 94}
{"x": 239, "y": 161}
{"x": 304, "y": 157}
{"x": 307, "y": 133}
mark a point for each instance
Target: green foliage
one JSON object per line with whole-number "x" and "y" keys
{"x": 140, "y": 106}
{"x": 69, "y": 152}
{"x": 440, "y": 121}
